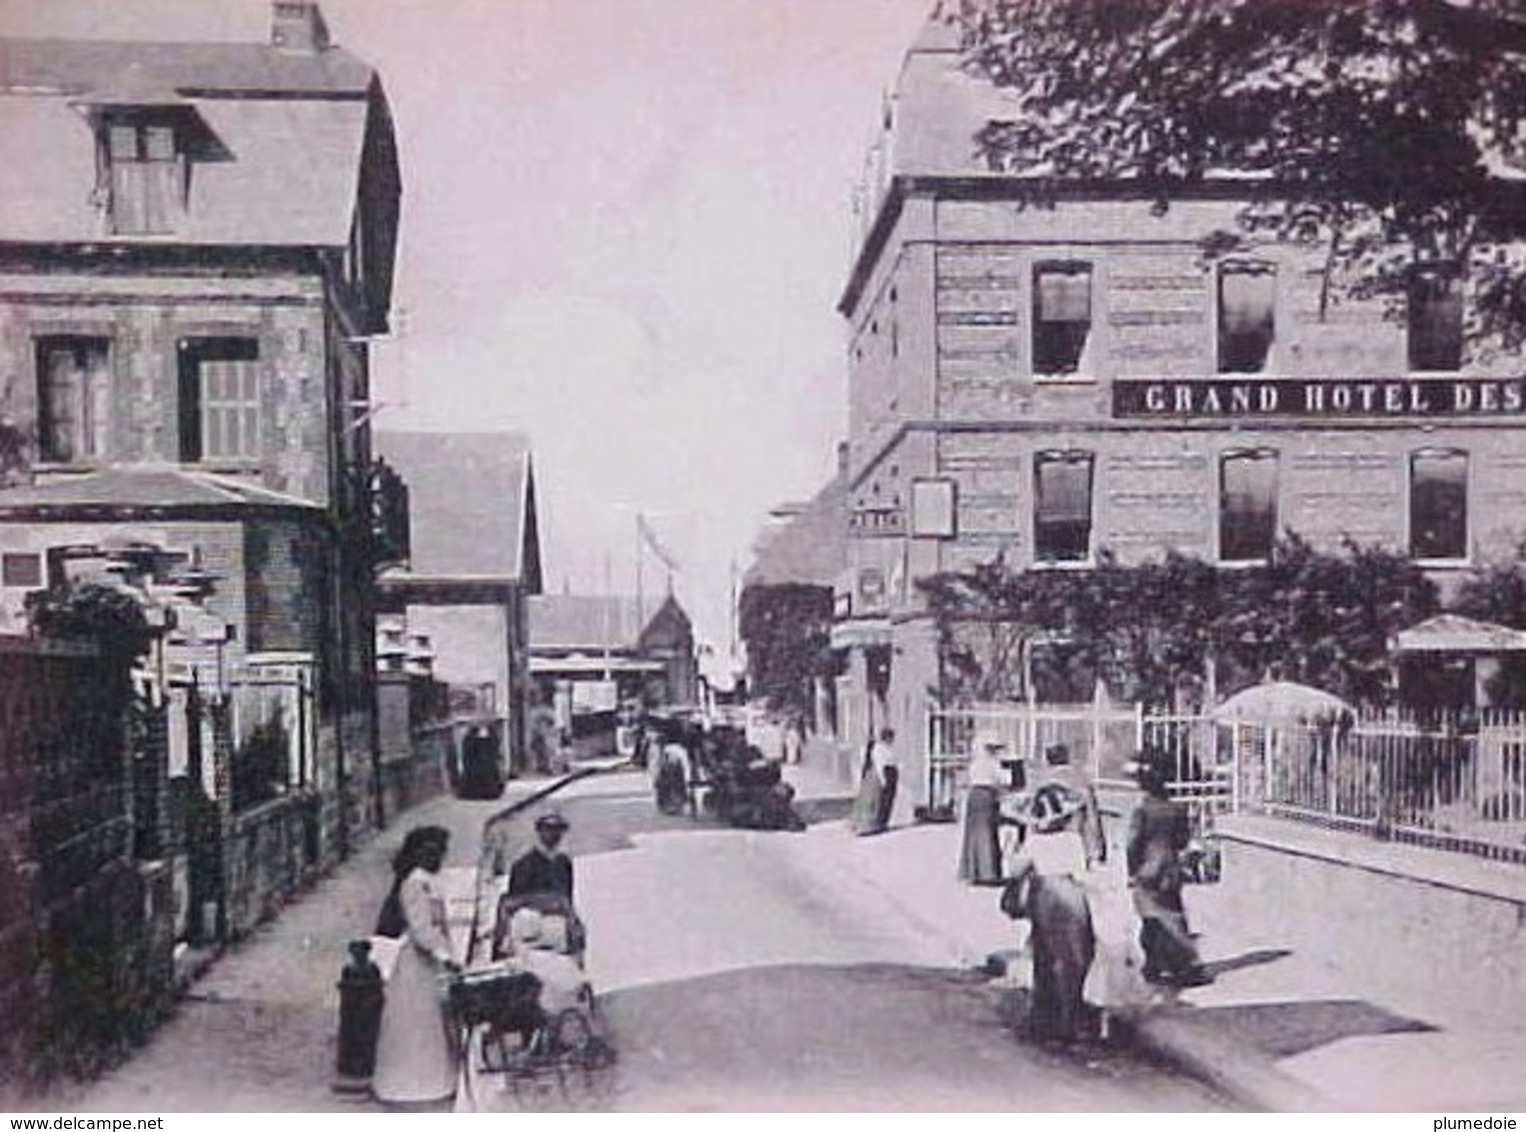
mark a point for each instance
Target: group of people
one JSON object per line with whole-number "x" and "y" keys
{"x": 1060, "y": 878}
{"x": 416, "y": 1051}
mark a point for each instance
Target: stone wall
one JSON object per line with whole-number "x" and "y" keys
{"x": 1439, "y": 935}
{"x": 272, "y": 854}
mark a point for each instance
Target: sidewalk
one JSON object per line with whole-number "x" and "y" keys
{"x": 1286, "y": 1026}
{"x": 257, "y": 1031}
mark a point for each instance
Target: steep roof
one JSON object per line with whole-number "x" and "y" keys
{"x": 590, "y": 622}
{"x": 281, "y": 136}
{"x": 811, "y": 548}
{"x": 471, "y": 500}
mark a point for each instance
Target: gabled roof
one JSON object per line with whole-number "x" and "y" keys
{"x": 471, "y": 501}
{"x": 281, "y": 137}
{"x": 131, "y": 488}
{"x": 811, "y": 548}
{"x": 1451, "y": 633}
{"x": 590, "y": 622}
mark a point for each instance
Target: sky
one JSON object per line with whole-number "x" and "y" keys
{"x": 626, "y": 224}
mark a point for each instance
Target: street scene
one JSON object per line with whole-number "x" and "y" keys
{"x": 762, "y": 555}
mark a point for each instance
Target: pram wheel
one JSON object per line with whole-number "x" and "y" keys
{"x": 584, "y": 1059}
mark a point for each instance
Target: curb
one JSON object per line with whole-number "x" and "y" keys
{"x": 1237, "y": 1070}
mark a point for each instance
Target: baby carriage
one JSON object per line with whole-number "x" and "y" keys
{"x": 528, "y": 1020}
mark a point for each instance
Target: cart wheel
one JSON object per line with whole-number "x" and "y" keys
{"x": 585, "y": 1060}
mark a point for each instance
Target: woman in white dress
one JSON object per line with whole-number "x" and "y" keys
{"x": 415, "y": 1052}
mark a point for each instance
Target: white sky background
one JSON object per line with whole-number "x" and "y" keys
{"x": 625, "y": 227}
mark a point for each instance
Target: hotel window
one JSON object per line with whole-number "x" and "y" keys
{"x": 1062, "y": 509}
{"x": 1438, "y": 505}
{"x": 1435, "y": 319}
{"x": 145, "y": 174}
{"x": 1247, "y": 315}
{"x": 1062, "y": 316}
{"x": 219, "y": 399}
{"x": 1247, "y": 506}
{"x": 73, "y": 385}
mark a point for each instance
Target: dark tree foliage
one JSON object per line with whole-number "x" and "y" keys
{"x": 1150, "y": 631}
{"x": 111, "y": 620}
{"x": 1376, "y": 132}
{"x": 787, "y": 630}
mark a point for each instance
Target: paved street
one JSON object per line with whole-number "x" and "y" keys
{"x": 739, "y": 970}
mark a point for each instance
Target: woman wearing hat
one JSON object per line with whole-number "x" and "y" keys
{"x": 1050, "y": 865}
{"x": 415, "y": 1060}
{"x": 980, "y": 854}
{"x": 1159, "y": 830}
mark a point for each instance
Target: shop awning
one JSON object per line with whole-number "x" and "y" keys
{"x": 1449, "y": 633}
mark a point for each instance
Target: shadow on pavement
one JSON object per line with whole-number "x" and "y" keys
{"x": 1283, "y": 1029}
{"x": 818, "y": 810}
{"x": 870, "y": 1036}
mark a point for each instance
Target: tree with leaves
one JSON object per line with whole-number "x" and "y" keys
{"x": 1151, "y": 631}
{"x": 1384, "y": 135}
{"x": 787, "y": 630}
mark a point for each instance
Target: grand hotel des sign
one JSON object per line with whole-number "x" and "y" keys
{"x": 1172, "y": 398}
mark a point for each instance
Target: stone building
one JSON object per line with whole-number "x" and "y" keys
{"x": 1045, "y": 372}
{"x": 196, "y": 244}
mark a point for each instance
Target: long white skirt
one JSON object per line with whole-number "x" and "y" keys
{"x": 415, "y": 1057}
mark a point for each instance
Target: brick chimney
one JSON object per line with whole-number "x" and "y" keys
{"x": 297, "y": 26}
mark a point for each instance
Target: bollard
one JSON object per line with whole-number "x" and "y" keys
{"x": 360, "y": 1011}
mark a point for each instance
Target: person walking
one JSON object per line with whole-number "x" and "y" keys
{"x": 866, "y": 803}
{"x": 1159, "y": 830}
{"x": 415, "y": 1053}
{"x": 885, "y": 760}
{"x": 980, "y": 852}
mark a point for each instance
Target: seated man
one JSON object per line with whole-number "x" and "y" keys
{"x": 541, "y": 879}
{"x": 543, "y": 867}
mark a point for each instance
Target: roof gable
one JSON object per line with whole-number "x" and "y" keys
{"x": 288, "y": 131}
{"x": 470, "y": 500}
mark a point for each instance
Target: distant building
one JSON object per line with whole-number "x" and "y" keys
{"x": 805, "y": 545}
{"x": 475, "y": 560}
{"x": 1048, "y": 371}
{"x": 603, "y": 651}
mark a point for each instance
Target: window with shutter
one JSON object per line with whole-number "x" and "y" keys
{"x": 219, "y": 399}
{"x": 73, "y": 392}
{"x": 146, "y": 174}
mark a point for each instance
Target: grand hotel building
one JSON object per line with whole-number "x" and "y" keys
{"x": 1046, "y": 378}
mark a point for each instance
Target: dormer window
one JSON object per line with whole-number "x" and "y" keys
{"x": 145, "y": 175}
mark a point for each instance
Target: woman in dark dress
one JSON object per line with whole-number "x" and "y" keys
{"x": 1158, "y": 832}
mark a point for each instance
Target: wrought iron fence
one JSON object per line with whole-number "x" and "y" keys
{"x": 1456, "y": 782}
